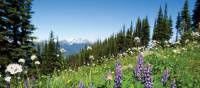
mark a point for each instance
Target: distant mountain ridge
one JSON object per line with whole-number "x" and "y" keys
{"x": 73, "y": 45}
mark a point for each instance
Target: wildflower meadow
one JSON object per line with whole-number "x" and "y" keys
{"x": 159, "y": 53}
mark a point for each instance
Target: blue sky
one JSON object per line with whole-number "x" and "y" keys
{"x": 95, "y": 19}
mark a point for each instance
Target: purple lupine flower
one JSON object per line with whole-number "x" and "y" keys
{"x": 148, "y": 80}
{"x": 165, "y": 77}
{"x": 7, "y": 79}
{"x": 138, "y": 68}
{"x": 33, "y": 80}
{"x": 81, "y": 85}
{"x": 91, "y": 86}
{"x": 140, "y": 58}
{"x": 118, "y": 75}
{"x": 25, "y": 83}
{"x": 173, "y": 84}
{"x": 7, "y": 84}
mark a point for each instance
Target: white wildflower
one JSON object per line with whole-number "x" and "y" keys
{"x": 91, "y": 57}
{"x": 18, "y": 78}
{"x": 7, "y": 79}
{"x": 70, "y": 70}
{"x": 13, "y": 68}
{"x": 178, "y": 42}
{"x": 133, "y": 48}
{"x": 62, "y": 50}
{"x": 131, "y": 52}
{"x": 184, "y": 49}
{"x": 89, "y": 48}
{"x": 120, "y": 55}
{"x": 186, "y": 41}
{"x": 37, "y": 63}
{"x": 166, "y": 42}
{"x": 195, "y": 42}
{"x": 137, "y": 39}
{"x": 167, "y": 45}
{"x": 25, "y": 72}
{"x": 124, "y": 54}
{"x": 33, "y": 57}
{"x": 176, "y": 51}
{"x": 93, "y": 64}
{"x": 130, "y": 66}
{"x": 129, "y": 49}
{"x": 21, "y": 60}
{"x": 57, "y": 55}
{"x": 154, "y": 43}
{"x": 195, "y": 34}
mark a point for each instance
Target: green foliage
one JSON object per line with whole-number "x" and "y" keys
{"x": 15, "y": 31}
{"x": 145, "y": 38}
{"x": 120, "y": 40}
{"x": 178, "y": 26}
{"x": 130, "y": 37}
{"x": 51, "y": 56}
{"x": 162, "y": 27}
{"x": 184, "y": 66}
{"x": 196, "y": 16}
{"x": 185, "y": 16}
{"x": 138, "y": 28}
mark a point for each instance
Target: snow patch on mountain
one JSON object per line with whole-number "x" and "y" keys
{"x": 73, "y": 40}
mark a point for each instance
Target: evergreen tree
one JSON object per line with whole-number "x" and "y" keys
{"x": 15, "y": 30}
{"x": 162, "y": 27}
{"x": 145, "y": 32}
{"x": 121, "y": 40}
{"x": 170, "y": 25}
{"x": 129, "y": 37}
{"x": 158, "y": 34}
{"x": 178, "y": 25}
{"x": 186, "y": 23}
{"x": 138, "y": 28}
{"x": 165, "y": 12}
{"x": 53, "y": 61}
{"x": 51, "y": 56}
{"x": 196, "y": 16}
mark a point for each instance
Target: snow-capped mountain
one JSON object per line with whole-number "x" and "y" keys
{"x": 70, "y": 45}
{"x": 73, "y": 45}
{"x": 72, "y": 41}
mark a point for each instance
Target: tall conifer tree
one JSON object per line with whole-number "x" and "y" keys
{"x": 196, "y": 16}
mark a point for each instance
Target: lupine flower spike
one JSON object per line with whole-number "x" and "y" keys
{"x": 147, "y": 76}
{"x": 7, "y": 79}
{"x": 81, "y": 85}
{"x": 25, "y": 83}
{"x": 91, "y": 86}
{"x": 118, "y": 75}
{"x": 138, "y": 68}
{"x": 165, "y": 76}
{"x": 33, "y": 81}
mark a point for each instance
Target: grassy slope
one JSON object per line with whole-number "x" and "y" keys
{"x": 184, "y": 65}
